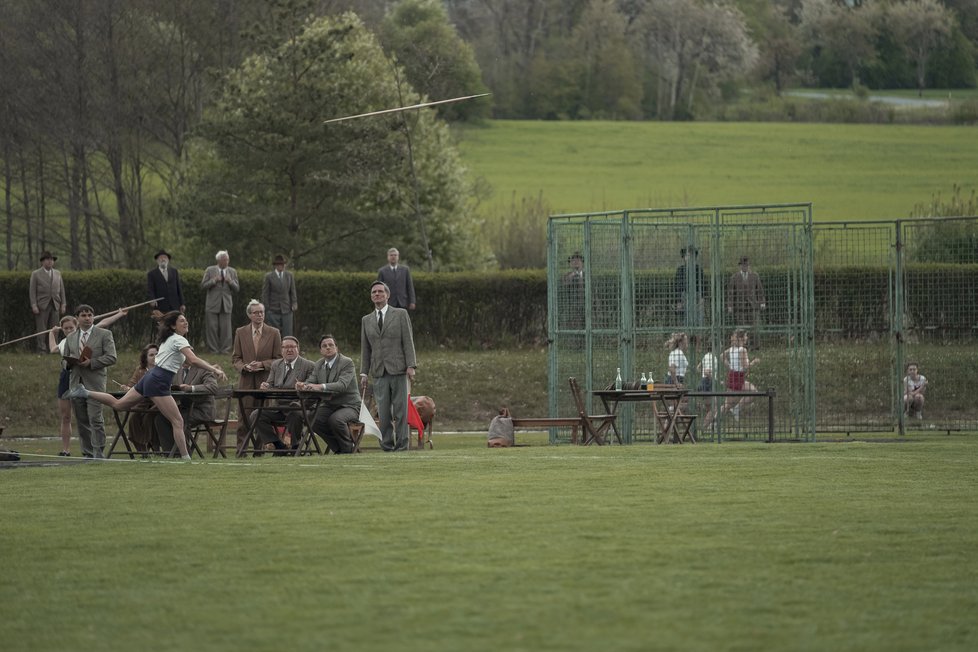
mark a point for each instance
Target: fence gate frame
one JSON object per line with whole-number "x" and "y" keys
{"x": 604, "y": 322}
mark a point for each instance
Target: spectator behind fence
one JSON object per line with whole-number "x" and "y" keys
{"x": 572, "y": 294}
{"x": 220, "y": 282}
{"x": 676, "y": 345}
{"x": 745, "y": 295}
{"x": 696, "y": 310}
{"x": 47, "y": 296}
{"x": 398, "y": 279}
{"x": 279, "y": 296}
{"x": 738, "y": 363}
{"x": 915, "y": 384}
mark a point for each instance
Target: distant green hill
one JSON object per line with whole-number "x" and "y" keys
{"x": 860, "y": 172}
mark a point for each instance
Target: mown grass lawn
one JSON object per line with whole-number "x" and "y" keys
{"x": 856, "y": 172}
{"x": 860, "y": 546}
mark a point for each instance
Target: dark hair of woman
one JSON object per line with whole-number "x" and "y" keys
{"x": 168, "y": 324}
{"x": 144, "y": 355}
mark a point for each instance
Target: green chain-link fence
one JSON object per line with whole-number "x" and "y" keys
{"x": 834, "y": 314}
{"x": 888, "y": 294}
{"x": 621, "y": 284}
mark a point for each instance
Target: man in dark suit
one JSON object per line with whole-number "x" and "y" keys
{"x": 47, "y": 292}
{"x": 387, "y": 354}
{"x": 92, "y": 350}
{"x": 256, "y": 346}
{"x": 163, "y": 283}
{"x": 278, "y": 295}
{"x": 194, "y": 411}
{"x": 397, "y": 277}
{"x": 334, "y": 374}
{"x": 284, "y": 373}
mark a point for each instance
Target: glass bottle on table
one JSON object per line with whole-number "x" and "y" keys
{"x": 643, "y": 383}
{"x": 651, "y": 384}
{"x": 618, "y": 380}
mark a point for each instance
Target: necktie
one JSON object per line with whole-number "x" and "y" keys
{"x": 380, "y": 320}
{"x": 222, "y": 273}
{"x": 279, "y": 275}
{"x": 186, "y": 372}
{"x": 84, "y": 338}
{"x": 288, "y": 372}
{"x": 256, "y": 337}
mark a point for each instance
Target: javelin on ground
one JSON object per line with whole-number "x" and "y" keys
{"x": 405, "y": 108}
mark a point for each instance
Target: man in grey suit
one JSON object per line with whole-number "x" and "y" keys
{"x": 285, "y": 373}
{"x": 47, "y": 290}
{"x": 278, "y": 295}
{"x": 398, "y": 280}
{"x": 90, "y": 351}
{"x": 334, "y": 374}
{"x": 220, "y": 281}
{"x": 387, "y": 354}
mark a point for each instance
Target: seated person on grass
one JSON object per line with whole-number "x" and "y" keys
{"x": 915, "y": 384}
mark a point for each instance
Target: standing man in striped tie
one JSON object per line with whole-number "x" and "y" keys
{"x": 387, "y": 354}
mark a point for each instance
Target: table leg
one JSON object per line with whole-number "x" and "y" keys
{"x": 121, "y": 422}
{"x": 249, "y": 437}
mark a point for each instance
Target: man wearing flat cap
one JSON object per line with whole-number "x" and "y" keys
{"x": 278, "y": 295}
{"x": 387, "y": 354}
{"x": 163, "y": 285}
{"x": 47, "y": 291}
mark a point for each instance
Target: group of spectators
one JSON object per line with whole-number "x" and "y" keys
{"x": 265, "y": 352}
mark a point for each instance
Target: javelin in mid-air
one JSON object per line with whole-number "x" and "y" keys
{"x": 406, "y": 108}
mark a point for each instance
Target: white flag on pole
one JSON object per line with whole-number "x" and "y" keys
{"x": 369, "y": 425}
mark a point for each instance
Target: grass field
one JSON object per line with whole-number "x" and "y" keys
{"x": 861, "y": 546}
{"x": 848, "y": 171}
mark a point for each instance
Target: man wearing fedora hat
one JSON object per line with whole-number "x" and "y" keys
{"x": 745, "y": 295}
{"x": 47, "y": 291}
{"x": 278, "y": 295}
{"x": 163, "y": 284}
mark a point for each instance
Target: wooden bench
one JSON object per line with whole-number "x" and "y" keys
{"x": 543, "y": 423}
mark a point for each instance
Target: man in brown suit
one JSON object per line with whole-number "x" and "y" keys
{"x": 745, "y": 295}
{"x": 256, "y": 346}
{"x": 47, "y": 298}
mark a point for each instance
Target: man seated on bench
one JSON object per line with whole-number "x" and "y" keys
{"x": 335, "y": 375}
{"x": 286, "y": 372}
{"x": 188, "y": 379}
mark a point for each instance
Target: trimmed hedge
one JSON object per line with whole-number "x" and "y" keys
{"x": 460, "y": 310}
{"x": 505, "y": 309}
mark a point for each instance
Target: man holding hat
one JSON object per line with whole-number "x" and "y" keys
{"x": 47, "y": 292}
{"x": 278, "y": 295}
{"x": 163, "y": 283}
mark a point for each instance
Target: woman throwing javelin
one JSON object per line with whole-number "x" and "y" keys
{"x": 155, "y": 385}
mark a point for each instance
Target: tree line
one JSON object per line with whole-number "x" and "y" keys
{"x": 131, "y": 124}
